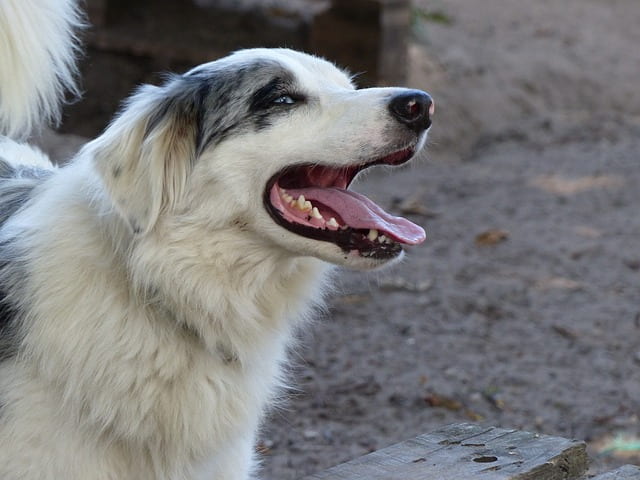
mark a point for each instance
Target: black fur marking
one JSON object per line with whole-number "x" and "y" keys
{"x": 16, "y": 187}
{"x": 183, "y": 105}
{"x": 263, "y": 100}
{"x": 6, "y": 169}
{"x": 214, "y": 101}
{"x": 202, "y": 94}
{"x": 235, "y": 99}
{"x": 9, "y": 334}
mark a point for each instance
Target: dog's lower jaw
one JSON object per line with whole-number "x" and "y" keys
{"x": 293, "y": 246}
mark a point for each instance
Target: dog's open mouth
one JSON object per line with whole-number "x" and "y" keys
{"x": 314, "y": 201}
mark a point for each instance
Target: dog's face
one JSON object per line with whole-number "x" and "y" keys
{"x": 269, "y": 140}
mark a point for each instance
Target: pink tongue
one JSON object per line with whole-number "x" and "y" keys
{"x": 357, "y": 211}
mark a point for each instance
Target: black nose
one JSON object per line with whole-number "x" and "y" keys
{"x": 413, "y": 108}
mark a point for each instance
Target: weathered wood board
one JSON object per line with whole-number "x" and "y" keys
{"x": 466, "y": 451}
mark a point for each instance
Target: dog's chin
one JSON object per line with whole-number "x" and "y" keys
{"x": 297, "y": 245}
{"x": 357, "y": 262}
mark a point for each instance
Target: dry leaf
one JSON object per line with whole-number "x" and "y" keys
{"x": 263, "y": 448}
{"x": 440, "y": 401}
{"x": 414, "y": 205}
{"x": 564, "y": 332}
{"x": 491, "y": 237}
{"x": 474, "y": 416}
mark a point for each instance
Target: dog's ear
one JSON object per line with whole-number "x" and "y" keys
{"x": 147, "y": 153}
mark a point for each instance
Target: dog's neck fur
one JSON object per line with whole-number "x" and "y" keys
{"x": 226, "y": 287}
{"x": 238, "y": 303}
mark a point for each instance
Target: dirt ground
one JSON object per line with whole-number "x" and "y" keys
{"x": 535, "y": 325}
{"x": 522, "y": 309}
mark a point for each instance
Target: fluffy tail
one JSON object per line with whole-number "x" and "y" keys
{"x": 38, "y": 48}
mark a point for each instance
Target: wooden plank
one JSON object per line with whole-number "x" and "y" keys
{"x": 393, "y": 55}
{"x": 369, "y": 37}
{"x": 465, "y": 451}
{"x": 180, "y": 31}
{"x": 627, "y": 472}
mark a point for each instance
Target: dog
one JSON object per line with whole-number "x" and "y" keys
{"x": 151, "y": 286}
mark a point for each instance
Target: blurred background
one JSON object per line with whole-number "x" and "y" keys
{"x": 522, "y": 309}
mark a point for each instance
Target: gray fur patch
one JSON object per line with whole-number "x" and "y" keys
{"x": 219, "y": 100}
{"x": 16, "y": 187}
{"x": 10, "y": 272}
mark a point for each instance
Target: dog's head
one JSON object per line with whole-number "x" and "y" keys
{"x": 267, "y": 141}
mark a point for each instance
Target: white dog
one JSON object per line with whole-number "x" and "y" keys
{"x": 149, "y": 289}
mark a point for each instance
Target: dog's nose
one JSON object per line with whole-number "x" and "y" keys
{"x": 414, "y": 108}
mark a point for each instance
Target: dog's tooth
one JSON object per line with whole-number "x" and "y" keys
{"x": 382, "y": 239}
{"x": 315, "y": 213}
{"x": 373, "y": 234}
{"x": 308, "y": 206}
{"x": 300, "y": 202}
{"x": 332, "y": 223}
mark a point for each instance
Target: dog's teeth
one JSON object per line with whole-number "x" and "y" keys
{"x": 332, "y": 223}
{"x": 303, "y": 204}
{"x": 315, "y": 213}
{"x": 373, "y": 234}
{"x": 285, "y": 196}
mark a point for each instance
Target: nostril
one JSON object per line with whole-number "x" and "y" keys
{"x": 413, "y": 108}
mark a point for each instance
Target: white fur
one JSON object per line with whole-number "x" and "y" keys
{"x": 23, "y": 154}
{"x": 37, "y": 61}
{"x": 158, "y": 297}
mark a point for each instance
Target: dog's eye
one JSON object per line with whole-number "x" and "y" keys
{"x": 285, "y": 100}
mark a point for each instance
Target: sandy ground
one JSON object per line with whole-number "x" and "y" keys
{"x": 535, "y": 325}
{"x": 522, "y": 308}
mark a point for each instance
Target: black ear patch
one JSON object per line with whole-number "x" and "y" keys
{"x": 217, "y": 101}
{"x": 184, "y": 106}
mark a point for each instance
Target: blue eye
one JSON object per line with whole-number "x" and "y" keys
{"x": 285, "y": 100}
